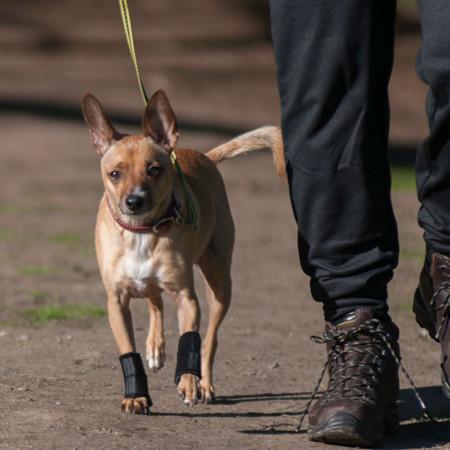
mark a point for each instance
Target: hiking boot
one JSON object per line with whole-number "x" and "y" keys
{"x": 360, "y": 404}
{"x": 432, "y": 308}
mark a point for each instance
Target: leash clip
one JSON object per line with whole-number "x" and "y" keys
{"x": 157, "y": 226}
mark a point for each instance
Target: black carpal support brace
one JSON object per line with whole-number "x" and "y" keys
{"x": 134, "y": 376}
{"x": 188, "y": 356}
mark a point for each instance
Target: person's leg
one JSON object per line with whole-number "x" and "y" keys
{"x": 431, "y": 301}
{"x": 334, "y": 60}
{"x": 433, "y": 157}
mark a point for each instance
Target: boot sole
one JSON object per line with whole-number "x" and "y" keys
{"x": 345, "y": 429}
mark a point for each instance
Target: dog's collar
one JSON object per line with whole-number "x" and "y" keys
{"x": 171, "y": 217}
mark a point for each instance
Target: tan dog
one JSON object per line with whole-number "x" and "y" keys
{"x": 144, "y": 249}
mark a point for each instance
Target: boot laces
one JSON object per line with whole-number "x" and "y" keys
{"x": 350, "y": 377}
{"x": 365, "y": 375}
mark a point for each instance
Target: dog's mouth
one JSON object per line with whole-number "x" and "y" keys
{"x": 135, "y": 214}
{"x": 142, "y": 215}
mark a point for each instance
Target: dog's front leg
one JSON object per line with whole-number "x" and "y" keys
{"x": 187, "y": 374}
{"x": 136, "y": 399}
{"x": 119, "y": 316}
{"x": 156, "y": 348}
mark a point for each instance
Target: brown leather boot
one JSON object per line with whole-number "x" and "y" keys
{"x": 432, "y": 308}
{"x": 360, "y": 404}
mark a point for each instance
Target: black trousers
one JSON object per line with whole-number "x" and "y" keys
{"x": 334, "y": 60}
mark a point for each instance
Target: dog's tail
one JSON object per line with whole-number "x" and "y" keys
{"x": 268, "y": 137}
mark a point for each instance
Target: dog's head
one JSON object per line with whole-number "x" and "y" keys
{"x": 136, "y": 170}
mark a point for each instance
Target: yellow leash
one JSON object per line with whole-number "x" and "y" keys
{"x": 126, "y": 20}
{"x": 191, "y": 218}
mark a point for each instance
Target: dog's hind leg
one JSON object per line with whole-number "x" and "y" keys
{"x": 156, "y": 348}
{"x": 215, "y": 264}
{"x": 218, "y": 294}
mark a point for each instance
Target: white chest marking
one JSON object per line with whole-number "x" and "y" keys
{"x": 137, "y": 261}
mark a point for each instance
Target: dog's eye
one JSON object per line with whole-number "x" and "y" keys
{"x": 114, "y": 175}
{"x": 153, "y": 171}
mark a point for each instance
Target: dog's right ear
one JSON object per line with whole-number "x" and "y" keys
{"x": 159, "y": 121}
{"x": 102, "y": 132}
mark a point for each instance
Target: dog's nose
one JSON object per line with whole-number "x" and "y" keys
{"x": 134, "y": 202}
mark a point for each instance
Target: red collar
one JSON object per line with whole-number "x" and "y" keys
{"x": 171, "y": 217}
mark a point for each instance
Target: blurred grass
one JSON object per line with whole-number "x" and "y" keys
{"x": 80, "y": 243}
{"x": 67, "y": 238}
{"x": 10, "y": 208}
{"x": 412, "y": 254}
{"x": 36, "y": 270}
{"x": 403, "y": 179}
{"x": 401, "y": 306}
{"x": 28, "y": 208}
{"x": 407, "y": 5}
{"x": 43, "y": 314}
{"x": 40, "y": 295}
{"x": 5, "y": 234}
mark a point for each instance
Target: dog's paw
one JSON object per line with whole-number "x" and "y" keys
{"x": 156, "y": 356}
{"x": 189, "y": 389}
{"x": 138, "y": 405}
{"x": 207, "y": 394}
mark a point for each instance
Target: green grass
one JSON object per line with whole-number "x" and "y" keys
{"x": 401, "y": 306}
{"x": 36, "y": 270}
{"x": 79, "y": 243}
{"x": 39, "y": 294}
{"x": 407, "y": 5}
{"x": 412, "y": 254}
{"x": 5, "y": 234}
{"x": 10, "y": 208}
{"x": 28, "y": 208}
{"x": 403, "y": 179}
{"x": 41, "y": 315}
{"x": 67, "y": 238}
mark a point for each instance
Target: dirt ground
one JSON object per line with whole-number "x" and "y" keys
{"x": 60, "y": 382}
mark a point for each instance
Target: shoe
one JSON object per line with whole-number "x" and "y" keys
{"x": 360, "y": 404}
{"x": 432, "y": 308}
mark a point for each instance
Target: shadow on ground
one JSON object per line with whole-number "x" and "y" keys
{"x": 72, "y": 113}
{"x": 401, "y": 155}
{"x": 267, "y": 397}
{"x": 414, "y": 434}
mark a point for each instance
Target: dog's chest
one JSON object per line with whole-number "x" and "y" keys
{"x": 138, "y": 263}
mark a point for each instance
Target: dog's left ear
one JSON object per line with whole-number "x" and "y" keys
{"x": 160, "y": 122}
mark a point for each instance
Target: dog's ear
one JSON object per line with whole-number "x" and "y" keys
{"x": 102, "y": 132}
{"x": 160, "y": 122}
